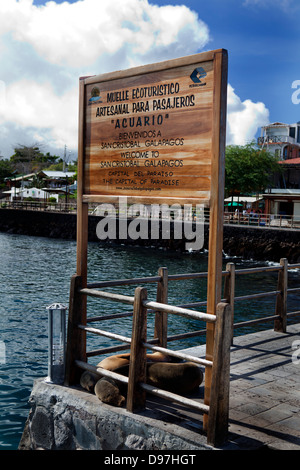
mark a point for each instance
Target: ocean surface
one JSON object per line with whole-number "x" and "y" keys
{"x": 35, "y": 272}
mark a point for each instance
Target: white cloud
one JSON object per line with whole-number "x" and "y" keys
{"x": 244, "y": 118}
{"x": 77, "y": 34}
{"x": 31, "y": 105}
{"x": 45, "y": 49}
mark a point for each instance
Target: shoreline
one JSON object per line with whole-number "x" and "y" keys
{"x": 258, "y": 243}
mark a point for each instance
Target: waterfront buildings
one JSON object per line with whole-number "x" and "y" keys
{"x": 283, "y": 140}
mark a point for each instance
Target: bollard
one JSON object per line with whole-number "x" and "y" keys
{"x": 56, "y": 343}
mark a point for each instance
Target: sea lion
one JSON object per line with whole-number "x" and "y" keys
{"x": 118, "y": 360}
{"x": 182, "y": 378}
{"x": 107, "y": 390}
{"x": 88, "y": 381}
{"x": 113, "y": 362}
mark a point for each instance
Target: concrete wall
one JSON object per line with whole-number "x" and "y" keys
{"x": 63, "y": 418}
{"x": 262, "y": 244}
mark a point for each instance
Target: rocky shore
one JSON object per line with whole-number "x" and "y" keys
{"x": 262, "y": 243}
{"x": 258, "y": 243}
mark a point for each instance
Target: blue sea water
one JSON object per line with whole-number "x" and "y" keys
{"x": 35, "y": 272}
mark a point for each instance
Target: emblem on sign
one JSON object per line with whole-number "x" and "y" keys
{"x": 95, "y": 95}
{"x": 197, "y": 75}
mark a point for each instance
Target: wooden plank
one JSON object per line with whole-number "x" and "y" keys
{"x": 281, "y": 299}
{"x": 214, "y": 278}
{"x": 254, "y": 322}
{"x": 109, "y": 317}
{"x": 123, "y": 282}
{"x": 125, "y": 299}
{"x": 262, "y": 269}
{"x": 229, "y": 290}
{"x": 257, "y": 296}
{"x": 82, "y": 241}
{"x": 179, "y": 355}
{"x": 161, "y": 318}
{"x": 82, "y": 207}
{"x": 144, "y": 69}
{"x": 102, "y": 372}
{"x": 201, "y": 407}
{"x": 114, "y": 199}
{"x": 181, "y": 311}
{"x": 109, "y": 350}
{"x": 108, "y": 334}
{"x": 76, "y": 338}
{"x": 136, "y": 396}
{"x": 217, "y": 431}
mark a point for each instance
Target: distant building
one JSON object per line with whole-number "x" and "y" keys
{"x": 19, "y": 180}
{"x": 58, "y": 182}
{"x": 54, "y": 183}
{"x": 56, "y": 179}
{"x": 283, "y": 140}
{"x": 25, "y": 194}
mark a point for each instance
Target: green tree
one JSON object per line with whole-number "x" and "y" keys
{"x": 6, "y": 170}
{"x": 29, "y": 159}
{"x": 55, "y": 166}
{"x": 72, "y": 166}
{"x": 36, "y": 182}
{"x": 248, "y": 170}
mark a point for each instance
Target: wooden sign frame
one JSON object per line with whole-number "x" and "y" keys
{"x": 205, "y": 75}
{"x": 148, "y": 133}
{"x": 212, "y": 66}
{"x": 193, "y": 86}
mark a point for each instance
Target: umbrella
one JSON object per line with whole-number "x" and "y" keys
{"x": 234, "y": 204}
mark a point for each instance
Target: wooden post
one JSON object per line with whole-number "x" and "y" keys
{"x": 215, "y": 250}
{"x": 229, "y": 292}
{"x": 161, "y": 318}
{"x": 281, "y": 299}
{"x": 136, "y": 396}
{"x": 76, "y": 338}
{"x": 217, "y": 431}
{"x": 82, "y": 241}
{"x": 82, "y": 207}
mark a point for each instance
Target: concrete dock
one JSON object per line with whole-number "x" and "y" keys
{"x": 264, "y": 407}
{"x": 265, "y": 390}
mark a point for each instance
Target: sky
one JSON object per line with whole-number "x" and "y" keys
{"x": 45, "y": 46}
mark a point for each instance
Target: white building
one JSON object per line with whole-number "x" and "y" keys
{"x": 33, "y": 193}
{"x": 283, "y": 140}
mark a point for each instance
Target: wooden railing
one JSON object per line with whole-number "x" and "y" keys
{"x": 216, "y": 398}
{"x": 230, "y": 275}
{"x": 281, "y": 314}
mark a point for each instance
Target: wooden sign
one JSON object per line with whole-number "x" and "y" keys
{"x": 152, "y": 133}
{"x": 156, "y": 134}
